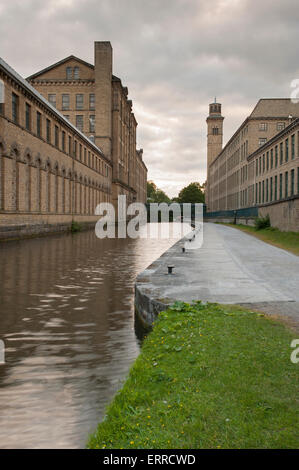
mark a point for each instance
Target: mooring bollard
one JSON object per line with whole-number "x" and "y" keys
{"x": 170, "y": 268}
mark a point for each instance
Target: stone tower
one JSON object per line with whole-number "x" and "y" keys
{"x": 103, "y": 95}
{"x": 215, "y": 132}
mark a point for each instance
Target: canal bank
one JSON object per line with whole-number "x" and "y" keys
{"x": 230, "y": 267}
{"x": 211, "y": 375}
{"x": 208, "y": 376}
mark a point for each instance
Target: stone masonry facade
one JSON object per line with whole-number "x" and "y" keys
{"x": 259, "y": 166}
{"x": 95, "y": 100}
{"x": 53, "y": 169}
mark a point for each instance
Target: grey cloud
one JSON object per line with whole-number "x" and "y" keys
{"x": 174, "y": 56}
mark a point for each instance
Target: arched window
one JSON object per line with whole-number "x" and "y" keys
{"x": 215, "y": 131}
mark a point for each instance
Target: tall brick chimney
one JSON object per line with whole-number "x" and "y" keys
{"x": 103, "y": 95}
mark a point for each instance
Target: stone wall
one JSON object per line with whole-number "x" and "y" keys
{"x": 284, "y": 215}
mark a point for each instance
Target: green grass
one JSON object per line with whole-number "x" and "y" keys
{"x": 208, "y": 376}
{"x": 286, "y": 240}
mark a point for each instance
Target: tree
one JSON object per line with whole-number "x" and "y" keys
{"x": 155, "y": 194}
{"x": 192, "y": 193}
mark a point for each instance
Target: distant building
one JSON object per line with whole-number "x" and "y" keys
{"x": 259, "y": 166}
{"x": 53, "y": 169}
{"x": 96, "y": 102}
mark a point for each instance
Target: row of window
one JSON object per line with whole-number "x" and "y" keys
{"x": 65, "y": 100}
{"x": 263, "y": 126}
{"x": 280, "y": 153}
{"x": 80, "y": 122}
{"x": 64, "y": 142}
{"x": 275, "y": 188}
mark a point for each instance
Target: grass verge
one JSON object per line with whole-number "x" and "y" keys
{"x": 287, "y": 240}
{"x": 208, "y": 376}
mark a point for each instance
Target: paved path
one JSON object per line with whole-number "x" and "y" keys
{"x": 230, "y": 267}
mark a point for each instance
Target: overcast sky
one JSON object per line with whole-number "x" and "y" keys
{"x": 175, "y": 56}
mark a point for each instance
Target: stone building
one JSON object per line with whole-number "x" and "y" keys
{"x": 97, "y": 103}
{"x": 231, "y": 181}
{"x": 52, "y": 171}
{"x": 259, "y": 164}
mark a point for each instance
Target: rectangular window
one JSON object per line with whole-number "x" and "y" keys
{"x": 276, "y": 156}
{"x": 256, "y": 167}
{"x": 70, "y": 146}
{"x": 263, "y": 191}
{"x": 79, "y": 122}
{"x": 286, "y": 185}
{"x": 15, "y": 108}
{"x": 260, "y": 165}
{"x": 281, "y": 153}
{"x": 280, "y": 126}
{"x": 84, "y": 155}
{"x": 76, "y": 73}
{"x": 65, "y": 101}
{"x": 287, "y": 150}
{"x": 271, "y": 160}
{"x": 48, "y": 131}
{"x": 92, "y": 102}
{"x": 292, "y": 182}
{"x": 293, "y": 146}
{"x": 256, "y": 193}
{"x": 69, "y": 73}
{"x": 63, "y": 141}
{"x": 92, "y": 123}
{"x": 275, "y": 188}
{"x": 56, "y": 136}
{"x": 75, "y": 148}
{"x": 66, "y": 116}
{"x": 263, "y": 163}
{"x": 52, "y": 99}
{"x": 262, "y": 141}
{"x": 259, "y": 192}
{"x": 267, "y": 161}
{"x": 80, "y": 152}
{"x": 271, "y": 188}
{"x": 263, "y": 126}
{"x": 38, "y": 124}
{"x": 79, "y": 101}
{"x": 280, "y": 186}
{"x": 267, "y": 190}
{"x": 28, "y": 116}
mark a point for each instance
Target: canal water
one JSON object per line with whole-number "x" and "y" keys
{"x": 67, "y": 321}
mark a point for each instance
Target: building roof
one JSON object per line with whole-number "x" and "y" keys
{"x": 10, "y": 71}
{"x": 275, "y": 107}
{"x": 60, "y": 62}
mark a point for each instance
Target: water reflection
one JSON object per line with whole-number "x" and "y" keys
{"x": 67, "y": 320}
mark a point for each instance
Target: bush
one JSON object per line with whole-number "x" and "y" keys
{"x": 76, "y": 227}
{"x": 262, "y": 222}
